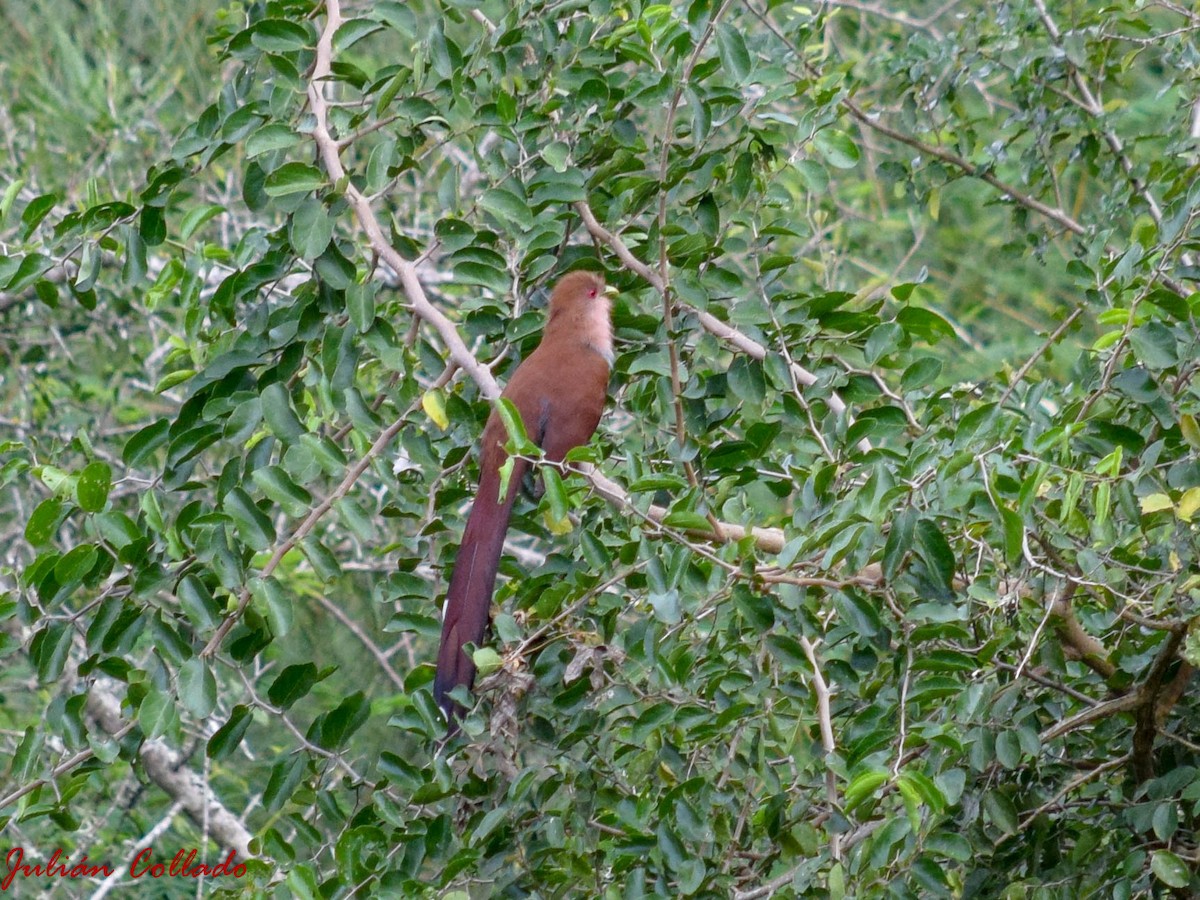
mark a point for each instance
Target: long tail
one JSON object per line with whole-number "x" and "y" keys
{"x": 469, "y": 599}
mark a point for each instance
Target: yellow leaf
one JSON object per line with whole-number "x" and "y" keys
{"x": 435, "y": 407}
{"x": 1188, "y": 504}
{"x": 1191, "y": 431}
{"x": 1152, "y": 503}
{"x": 558, "y": 526}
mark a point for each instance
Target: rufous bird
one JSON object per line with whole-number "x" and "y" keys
{"x": 559, "y": 392}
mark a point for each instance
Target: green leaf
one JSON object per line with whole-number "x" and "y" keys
{"x": 1153, "y": 503}
{"x": 133, "y": 272}
{"x": 273, "y": 136}
{"x": 25, "y": 759}
{"x": 1170, "y": 869}
{"x": 352, "y": 31}
{"x": 935, "y": 550}
{"x": 293, "y": 683}
{"x": 310, "y": 229}
{"x": 89, "y": 267}
{"x": 360, "y": 304}
{"x": 269, "y": 593}
{"x": 735, "y": 58}
{"x": 152, "y": 226}
{"x": 117, "y": 529}
{"x": 155, "y": 713}
{"x": 324, "y": 563}
{"x": 278, "y": 413}
{"x": 1190, "y": 430}
{"x": 44, "y": 522}
{"x": 279, "y": 35}
{"x": 336, "y": 726}
{"x": 226, "y": 738}
{"x": 746, "y": 379}
{"x": 171, "y": 380}
{"x": 75, "y": 563}
{"x": 197, "y": 688}
{"x": 514, "y": 427}
{"x": 286, "y": 776}
{"x": 507, "y": 207}
{"x": 48, "y": 650}
{"x": 196, "y": 217}
{"x": 557, "y": 155}
{"x": 486, "y": 660}
{"x": 654, "y": 483}
{"x": 863, "y": 787}
{"x": 688, "y": 520}
{"x": 1008, "y": 749}
{"x": 252, "y": 524}
{"x": 47, "y": 292}
{"x": 836, "y": 148}
{"x": 277, "y": 486}
{"x": 788, "y": 651}
{"x": 198, "y": 603}
{"x": 93, "y": 486}
{"x": 1154, "y": 344}
{"x": 32, "y": 267}
{"x": 1001, "y": 811}
{"x": 556, "y": 494}
{"x": 293, "y": 178}
{"x": 922, "y": 373}
{"x": 10, "y": 195}
{"x": 924, "y": 324}
{"x": 35, "y": 211}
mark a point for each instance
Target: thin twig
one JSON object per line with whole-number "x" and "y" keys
{"x": 1046, "y": 345}
{"x": 314, "y": 516}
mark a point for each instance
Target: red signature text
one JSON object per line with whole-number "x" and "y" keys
{"x": 181, "y": 866}
{"x": 55, "y": 867}
{"x": 184, "y": 865}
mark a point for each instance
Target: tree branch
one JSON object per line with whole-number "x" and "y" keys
{"x": 166, "y": 769}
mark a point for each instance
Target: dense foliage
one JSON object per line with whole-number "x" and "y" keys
{"x": 884, "y": 583}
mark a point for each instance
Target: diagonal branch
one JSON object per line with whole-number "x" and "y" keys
{"x": 329, "y": 151}
{"x": 708, "y": 321}
{"x": 166, "y": 769}
{"x": 314, "y": 516}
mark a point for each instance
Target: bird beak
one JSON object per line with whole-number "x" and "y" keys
{"x": 610, "y": 290}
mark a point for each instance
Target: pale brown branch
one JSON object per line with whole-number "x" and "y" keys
{"x": 770, "y": 540}
{"x": 1087, "y": 648}
{"x": 1076, "y": 782}
{"x": 825, "y": 717}
{"x": 1127, "y": 703}
{"x": 328, "y": 149}
{"x": 708, "y": 321}
{"x": 768, "y": 888}
{"x": 63, "y": 767}
{"x": 166, "y": 769}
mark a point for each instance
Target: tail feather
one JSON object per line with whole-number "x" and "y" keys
{"x": 469, "y": 597}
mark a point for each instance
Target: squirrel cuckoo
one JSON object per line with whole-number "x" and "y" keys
{"x": 559, "y": 392}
